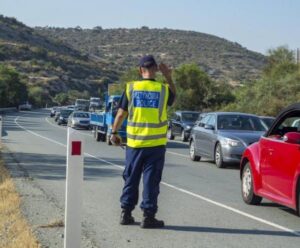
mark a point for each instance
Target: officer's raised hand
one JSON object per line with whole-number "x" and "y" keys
{"x": 165, "y": 70}
{"x": 167, "y": 73}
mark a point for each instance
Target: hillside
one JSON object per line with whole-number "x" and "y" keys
{"x": 121, "y": 48}
{"x": 48, "y": 63}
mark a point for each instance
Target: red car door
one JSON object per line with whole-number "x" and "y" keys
{"x": 279, "y": 161}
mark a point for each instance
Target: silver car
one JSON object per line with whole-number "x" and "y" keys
{"x": 79, "y": 119}
{"x": 223, "y": 136}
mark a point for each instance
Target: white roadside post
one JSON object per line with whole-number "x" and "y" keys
{"x": 74, "y": 185}
{"x": 0, "y": 130}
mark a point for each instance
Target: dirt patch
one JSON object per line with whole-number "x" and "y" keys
{"x": 56, "y": 223}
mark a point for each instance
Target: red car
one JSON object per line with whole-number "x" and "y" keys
{"x": 270, "y": 168}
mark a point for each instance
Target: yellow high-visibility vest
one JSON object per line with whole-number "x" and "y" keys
{"x": 147, "y": 113}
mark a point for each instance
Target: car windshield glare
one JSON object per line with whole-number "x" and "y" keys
{"x": 268, "y": 121}
{"x": 190, "y": 117}
{"x": 240, "y": 122}
{"x": 81, "y": 115}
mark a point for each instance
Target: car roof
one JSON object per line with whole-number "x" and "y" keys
{"x": 114, "y": 97}
{"x": 267, "y": 117}
{"x": 187, "y": 111}
{"x": 81, "y": 112}
{"x": 232, "y": 113}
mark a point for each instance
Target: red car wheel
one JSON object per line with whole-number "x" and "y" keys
{"x": 247, "y": 187}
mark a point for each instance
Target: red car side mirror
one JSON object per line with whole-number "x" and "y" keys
{"x": 292, "y": 138}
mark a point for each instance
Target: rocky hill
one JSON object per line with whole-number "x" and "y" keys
{"x": 48, "y": 63}
{"x": 120, "y": 48}
{"x": 57, "y": 60}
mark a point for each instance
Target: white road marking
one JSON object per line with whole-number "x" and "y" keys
{"x": 179, "y": 142}
{"x": 234, "y": 210}
{"x": 178, "y": 154}
{"x": 57, "y": 126}
{"x": 32, "y": 112}
{"x": 250, "y": 216}
{"x": 36, "y": 134}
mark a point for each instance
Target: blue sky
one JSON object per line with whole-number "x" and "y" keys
{"x": 255, "y": 24}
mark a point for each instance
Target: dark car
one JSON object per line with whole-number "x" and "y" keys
{"x": 181, "y": 124}
{"x": 64, "y": 115}
{"x": 53, "y": 111}
{"x": 201, "y": 116}
{"x": 223, "y": 136}
{"x": 270, "y": 168}
{"x": 57, "y": 114}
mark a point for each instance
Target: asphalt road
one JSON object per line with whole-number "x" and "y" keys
{"x": 200, "y": 204}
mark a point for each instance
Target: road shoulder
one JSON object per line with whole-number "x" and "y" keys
{"x": 41, "y": 210}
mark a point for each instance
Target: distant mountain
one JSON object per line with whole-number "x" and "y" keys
{"x": 61, "y": 59}
{"x": 120, "y": 49}
{"x": 49, "y": 63}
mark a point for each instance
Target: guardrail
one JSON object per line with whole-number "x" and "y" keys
{"x": 7, "y": 110}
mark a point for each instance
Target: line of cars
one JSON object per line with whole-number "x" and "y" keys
{"x": 268, "y": 153}
{"x": 71, "y": 117}
{"x": 99, "y": 120}
{"x": 220, "y": 136}
{"x": 267, "y": 149}
{"x": 77, "y": 115}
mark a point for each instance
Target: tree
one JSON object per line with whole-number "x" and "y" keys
{"x": 38, "y": 96}
{"x": 277, "y": 88}
{"x": 12, "y": 90}
{"x": 280, "y": 62}
{"x": 129, "y": 76}
{"x": 196, "y": 91}
{"x": 61, "y": 98}
{"x": 192, "y": 87}
{"x": 75, "y": 94}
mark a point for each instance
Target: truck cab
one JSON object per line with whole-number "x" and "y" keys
{"x": 82, "y": 105}
{"x": 95, "y": 103}
{"x": 102, "y": 122}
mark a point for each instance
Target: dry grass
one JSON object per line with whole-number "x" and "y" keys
{"x": 14, "y": 230}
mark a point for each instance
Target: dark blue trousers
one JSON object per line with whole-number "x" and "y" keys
{"x": 148, "y": 162}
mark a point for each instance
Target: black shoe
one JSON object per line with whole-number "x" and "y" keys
{"x": 151, "y": 222}
{"x": 126, "y": 218}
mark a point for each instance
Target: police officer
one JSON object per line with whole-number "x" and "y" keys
{"x": 145, "y": 104}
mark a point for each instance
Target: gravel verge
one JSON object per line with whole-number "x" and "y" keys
{"x": 40, "y": 209}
